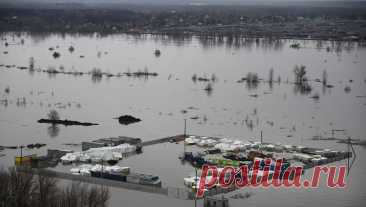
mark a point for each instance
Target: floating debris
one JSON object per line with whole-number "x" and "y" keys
{"x": 22, "y": 67}
{"x": 128, "y": 119}
{"x": 295, "y": 45}
{"x": 36, "y": 145}
{"x": 10, "y": 147}
{"x": 209, "y": 88}
{"x": 271, "y": 123}
{"x": 347, "y": 89}
{"x": 65, "y": 122}
{"x": 56, "y": 55}
{"x": 192, "y": 108}
{"x": 315, "y": 96}
{"x": 72, "y": 144}
{"x": 71, "y": 49}
{"x": 157, "y": 53}
{"x": 96, "y": 74}
{"x": 7, "y": 90}
{"x": 144, "y": 73}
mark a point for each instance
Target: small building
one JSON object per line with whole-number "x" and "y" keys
{"x": 56, "y": 154}
{"x": 216, "y": 202}
{"x": 113, "y": 141}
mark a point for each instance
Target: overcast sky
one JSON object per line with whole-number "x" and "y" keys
{"x": 204, "y": 1}
{"x": 185, "y": 2}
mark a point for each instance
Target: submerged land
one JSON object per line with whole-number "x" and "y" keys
{"x": 236, "y": 83}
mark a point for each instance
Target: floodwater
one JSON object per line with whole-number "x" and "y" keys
{"x": 233, "y": 110}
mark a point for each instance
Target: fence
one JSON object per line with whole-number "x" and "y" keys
{"x": 172, "y": 192}
{"x": 98, "y": 181}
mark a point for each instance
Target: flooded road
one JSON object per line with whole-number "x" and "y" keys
{"x": 231, "y": 109}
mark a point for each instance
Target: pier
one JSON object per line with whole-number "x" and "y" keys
{"x": 177, "y": 138}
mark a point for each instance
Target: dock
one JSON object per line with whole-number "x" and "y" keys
{"x": 114, "y": 141}
{"x": 177, "y": 138}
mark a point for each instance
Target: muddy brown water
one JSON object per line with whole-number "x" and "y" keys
{"x": 159, "y": 101}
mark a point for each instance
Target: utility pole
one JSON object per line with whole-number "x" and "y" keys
{"x": 21, "y": 154}
{"x": 348, "y": 154}
{"x": 101, "y": 172}
{"x": 185, "y": 135}
{"x": 195, "y": 194}
{"x": 261, "y": 137}
{"x": 185, "y": 128}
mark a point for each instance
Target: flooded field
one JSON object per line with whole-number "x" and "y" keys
{"x": 198, "y": 79}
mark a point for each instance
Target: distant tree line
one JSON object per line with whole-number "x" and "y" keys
{"x": 139, "y": 20}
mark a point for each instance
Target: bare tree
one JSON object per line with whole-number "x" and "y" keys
{"x": 31, "y": 63}
{"x": 300, "y": 72}
{"x": 325, "y": 77}
{"x": 24, "y": 189}
{"x": 301, "y": 82}
{"x": 270, "y": 78}
{"x": 53, "y": 115}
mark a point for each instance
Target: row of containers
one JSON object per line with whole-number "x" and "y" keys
{"x": 223, "y": 152}
{"x": 116, "y": 173}
{"x": 226, "y": 152}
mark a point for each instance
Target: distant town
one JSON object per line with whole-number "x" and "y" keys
{"x": 339, "y": 22}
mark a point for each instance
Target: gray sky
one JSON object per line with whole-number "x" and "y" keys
{"x": 185, "y": 2}
{"x": 203, "y": 1}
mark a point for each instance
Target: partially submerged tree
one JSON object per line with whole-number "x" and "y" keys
{"x": 271, "y": 74}
{"x": 301, "y": 82}
{"x": 325, "y": 78}
{"x": 53, "y": 115}
{"x": 300, "y": 72}
{"x": 7, "y": 90}
{"x": 270, "y": 78}
{"x": 71, "y": 49}
{"x": 56, "y": 54}
{"x": 31, "y": 63}
{"x": 252, "y": 77}
{"x": 279, "y": 79}
{"x": 252, "y": 80}
{"x": 96, "y": 75}
{"x": 194, "y": 78}
{"x": 213, "y": 78}
{"x": 209, "y": 89}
